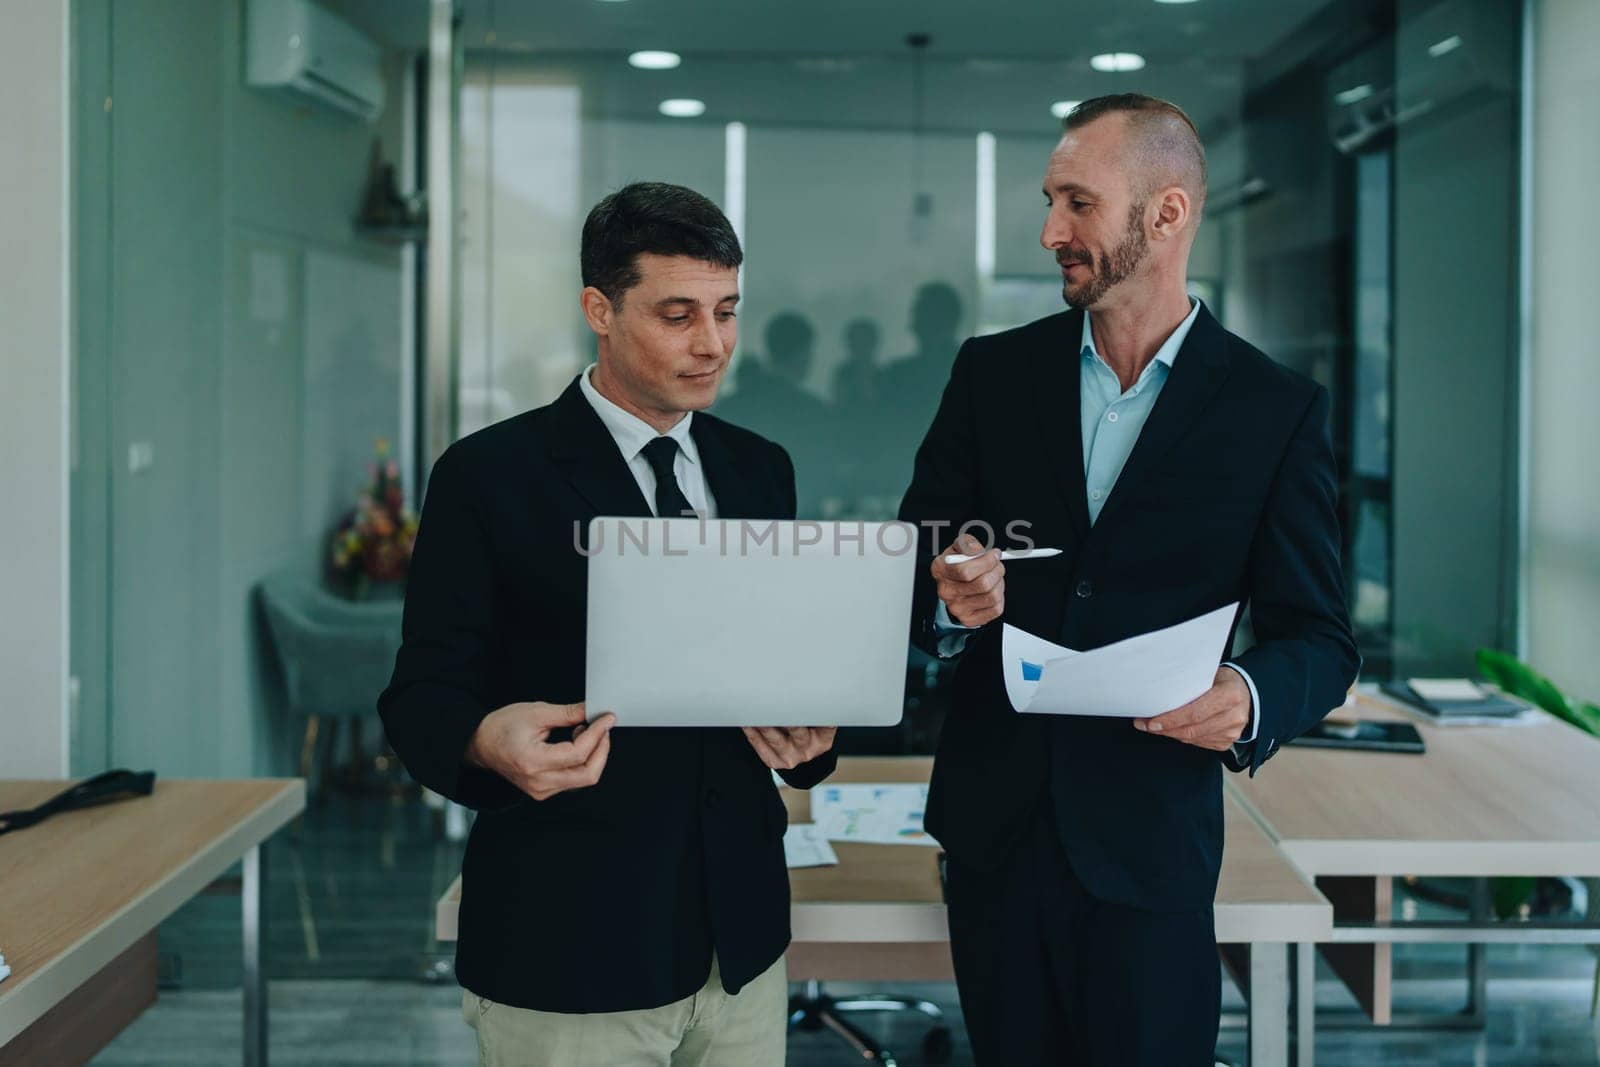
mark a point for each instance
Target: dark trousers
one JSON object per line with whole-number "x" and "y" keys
{"x": 1050, "y": 975}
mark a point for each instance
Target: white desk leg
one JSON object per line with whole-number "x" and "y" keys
{"x": 1305, "y": 1000}
{"x": 255, "y": 978}
{"x": 1269, "y": 1004}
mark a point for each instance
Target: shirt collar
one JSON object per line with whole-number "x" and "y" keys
{"x": 1165, "y": 354}
{"x": 630, "y": 432}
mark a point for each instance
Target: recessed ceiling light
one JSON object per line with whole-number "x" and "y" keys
{"x": 1061, "y": 108}
{"x": 1175, "y": 1}
{"x": 649, "y": 60}
{"x": 1117, "y": 62}
{"x": 1445, "y": 47}
{"x": 683, "y": 109}
{"x": 1353, "y": 95}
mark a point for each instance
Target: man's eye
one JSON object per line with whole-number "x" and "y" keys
{"x": 677, "y": 318}
{"x": 1079, "y": 205}
{"x": 727, "y": 314}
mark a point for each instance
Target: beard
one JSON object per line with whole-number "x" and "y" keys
{"x": 1112, "y": 268}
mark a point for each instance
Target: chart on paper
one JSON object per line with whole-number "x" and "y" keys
{"x": 874, "y": 814}
{"x": 1139, "y": 677}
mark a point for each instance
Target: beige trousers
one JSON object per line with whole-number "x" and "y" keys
{"x": 706, "y": 1029}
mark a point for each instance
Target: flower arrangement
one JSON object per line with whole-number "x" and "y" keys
{"x": 373, "y": 540}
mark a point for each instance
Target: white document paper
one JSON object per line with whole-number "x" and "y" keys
{"x": 872, "y": 813}
{"x": 804, "y": 846}
{"x": 1135, "y": 678}
{"x": 1446, "y": 688}
{"x": 5, "y": 972}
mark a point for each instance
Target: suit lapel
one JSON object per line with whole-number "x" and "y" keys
{"x": 1057, "y": 410}
{"x": 730, "y": 487}
{"x": 583, "y": 450}
{"x": 1197, "y": 373}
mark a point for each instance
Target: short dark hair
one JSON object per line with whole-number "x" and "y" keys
{"x": 655, "y": 218}
{"x": 1166, "y": 144}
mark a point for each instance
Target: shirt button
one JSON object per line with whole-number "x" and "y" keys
{"x": 1111, "y": 416}
{"x": 712, "y": 796}
{"x": 1086, "y": 589}
{"x": 1096, "y": 495}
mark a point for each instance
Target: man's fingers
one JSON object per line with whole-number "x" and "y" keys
{"x": 764, "y": 750}
{"x": 589, "y": 735}
{"x": 544, "y": 756}
{"x": 779, "y": 741}
{"x": 978, "y": 585}
{"x": 555, "y": 716}
{"x": 1200, "y": 708}
{"x": 547, "y": 784}
{"x": 977, "y": 610}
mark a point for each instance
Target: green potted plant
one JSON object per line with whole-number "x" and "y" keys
{"x": 1521, "y": 680}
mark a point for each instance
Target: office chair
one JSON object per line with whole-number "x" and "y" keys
{"x": 815, "y": 1009}
{"x": 336, "y": 656}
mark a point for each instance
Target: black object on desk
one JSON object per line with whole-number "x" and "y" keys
{"x": 101, "y": 789}
{"x": 1363, "y": 734}
{"x": 1489, "y": 705}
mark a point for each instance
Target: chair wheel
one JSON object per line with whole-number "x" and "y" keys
{"x": 937, "y": 1046}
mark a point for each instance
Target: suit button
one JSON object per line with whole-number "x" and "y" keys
{"x": 712, "y": 796}
{"x": 1086, "y": 589}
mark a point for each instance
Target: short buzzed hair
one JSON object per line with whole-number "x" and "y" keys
{"x": 652, "y": 218}
{"x": 1165, "y": 145}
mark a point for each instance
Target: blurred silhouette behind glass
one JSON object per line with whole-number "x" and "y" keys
{"x": 908, "y": 392}
{"x": 772, "y": 399}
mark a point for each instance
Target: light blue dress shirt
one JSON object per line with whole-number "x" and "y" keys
{"x": 1112, "y": 420}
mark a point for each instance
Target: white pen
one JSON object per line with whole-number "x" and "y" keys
{"x": 1008, "y": 554}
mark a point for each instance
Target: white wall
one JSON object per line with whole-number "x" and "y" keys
{"x": 1563, "y": 535}
{"x": 33, "y": 399}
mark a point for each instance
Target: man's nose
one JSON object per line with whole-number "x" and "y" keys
{"x": 1056, "y": 234}
{"x": 707, "y": 340}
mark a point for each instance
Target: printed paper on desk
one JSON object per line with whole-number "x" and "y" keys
{"x": 1135, "y": 678}
{"x": 868, "y": 813}
{"x": 804, "y": 846}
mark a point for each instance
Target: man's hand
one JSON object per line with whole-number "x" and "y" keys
{"x": 785, "y": 747}
{"x": 973, "y": 592}
{"x": 514, "y": 742}
{"x": 1213, "y": 720}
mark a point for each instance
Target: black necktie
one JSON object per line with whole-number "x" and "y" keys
{"x": 670, "y": 501}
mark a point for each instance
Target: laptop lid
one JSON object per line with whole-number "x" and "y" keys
{"x": 748, "y": 622}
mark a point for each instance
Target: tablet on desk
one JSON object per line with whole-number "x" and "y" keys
{"x": 750, "y": 622}
{"x": 1362, "y": 734}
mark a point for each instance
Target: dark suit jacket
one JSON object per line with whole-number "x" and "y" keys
{"x": 1228, "y": 495}
{"x": 612, "y": 897}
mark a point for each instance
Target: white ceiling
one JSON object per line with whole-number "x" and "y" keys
{"x": 1217, "y": 30}
{"x": 994, "y": 66}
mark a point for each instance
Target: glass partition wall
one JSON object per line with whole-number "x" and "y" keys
{"x": 886, "y": 186}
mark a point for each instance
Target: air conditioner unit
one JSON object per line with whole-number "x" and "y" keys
{"x": 306, "y": 52}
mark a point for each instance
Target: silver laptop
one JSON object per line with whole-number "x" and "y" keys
{"x": 750, "y": 622}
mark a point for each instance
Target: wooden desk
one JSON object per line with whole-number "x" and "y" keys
{"x": 880, "y": 916}
{"x": 82, "y": 893}
{"x": 1497, "y": 800}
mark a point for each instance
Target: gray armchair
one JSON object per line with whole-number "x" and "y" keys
{"x": 336, "y": 655}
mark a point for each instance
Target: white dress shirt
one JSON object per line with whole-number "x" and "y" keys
{"x": 632, "y": 433}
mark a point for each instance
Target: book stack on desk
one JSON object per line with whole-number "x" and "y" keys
{"x": 1454, "y": 699}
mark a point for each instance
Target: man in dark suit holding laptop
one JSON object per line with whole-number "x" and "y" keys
{"x": 625, "y": 898}
{"x": 1179, "y": 470}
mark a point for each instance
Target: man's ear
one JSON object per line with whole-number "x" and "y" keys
{"x": 597, "y": 310}
{"x": 1171, "y": 215}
